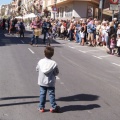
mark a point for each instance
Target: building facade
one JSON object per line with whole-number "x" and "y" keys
{"x": 29, "y": 6}
{"x": 74, "y": 8}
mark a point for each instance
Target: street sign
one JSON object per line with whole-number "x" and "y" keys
{"x": 54, "y": 9}
{"x": 114, "y": 1}
{"x": 101, "y": 4}
{"x": 114, "y": 7}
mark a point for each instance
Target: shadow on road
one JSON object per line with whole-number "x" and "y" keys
{"x": 18, "y": 103}
{"x": 7, "y": 40}
{"x": 20, "y": 97}
{"x": 79, "y": 97}
{"x": 79, "y": 107}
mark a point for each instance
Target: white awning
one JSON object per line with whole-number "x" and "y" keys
{"x": 31, "y": 15}
{"x": 19, "y": 17}
{"x": 109, "y": 12}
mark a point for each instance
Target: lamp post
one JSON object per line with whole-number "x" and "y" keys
{"x": 101, "y": 9}
{"x": 119, "y": 12}
{"x": 55, "y": 1}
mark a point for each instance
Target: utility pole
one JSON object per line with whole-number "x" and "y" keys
{"x": 101, "y": 9}
{"x": 55, "y": 8}
{"x": 113, "y": 14}
{"x": 119, "y": 12}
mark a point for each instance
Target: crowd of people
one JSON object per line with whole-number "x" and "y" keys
{"x": 14, "y": 26}
{"x": 91, "y": 31}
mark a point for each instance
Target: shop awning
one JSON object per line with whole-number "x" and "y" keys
{"x": 109, "y": 12}
{"x": 31, "y": 15}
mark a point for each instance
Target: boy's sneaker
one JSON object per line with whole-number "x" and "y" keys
{"x": 56, "y": 110}
{"x": 41, "y": 110}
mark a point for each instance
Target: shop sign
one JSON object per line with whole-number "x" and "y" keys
{"x": 90, "y": 11}
{"x": 114, "y": 1}
{"x": 54, "y": 9}
{"x": 114, "y": 7}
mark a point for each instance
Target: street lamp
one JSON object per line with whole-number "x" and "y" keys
{"x": 101, "y": 9}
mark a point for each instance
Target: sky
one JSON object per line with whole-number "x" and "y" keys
{"x": 5, "y": 2}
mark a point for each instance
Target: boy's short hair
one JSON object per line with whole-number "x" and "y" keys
{"x": 49, "y": 52}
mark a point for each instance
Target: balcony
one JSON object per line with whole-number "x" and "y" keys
{"x": 67, "y": 1}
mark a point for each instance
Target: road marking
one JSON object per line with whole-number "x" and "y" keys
{"x": 82, "y": 51}
{"x": 31, "y": 51}
{"x": 81, "y": 46}
{"x": 22, "y": 41}
{"x": 71, "y": 47}
{"x": 91, "y": 51}
{"x": 57, "y": 78}
{"x": 61, "y": 83}
{"x": 116, "y": 64}
{"x": 106, "y": 56}
{"x": 97, "y": 57}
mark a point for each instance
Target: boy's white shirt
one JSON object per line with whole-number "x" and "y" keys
{"x": 46, "y": 65}
{"x": 46, "y": 68}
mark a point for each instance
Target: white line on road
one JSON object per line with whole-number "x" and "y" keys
{"x": 71, "y": 47}
{"x": 97, "y": 57}
{"x": 92, "y": 50}
{"x": 81, "y": 46}
{"x": 31, "y": 51}
{"x": 82, "y": 51}
{"x": 116, "y": 64}
{"x": 61, "y": 83}
{"x": 106, "y": 56}
{"x": 22, "y": 41}
{"x": 57, "y": 78}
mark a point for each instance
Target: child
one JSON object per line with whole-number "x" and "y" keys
{"x": 48, "y": 70}
{"x": 112, "y": 44}
{"x": 82, "y": 34}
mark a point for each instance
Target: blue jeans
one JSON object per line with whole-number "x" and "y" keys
{"x": 51, "y": 92}
{"x": 107, "y": 41}
{"x": 36, "y": 39}
{"x": 78, "y": 38}
{"x": 33, "y": 38}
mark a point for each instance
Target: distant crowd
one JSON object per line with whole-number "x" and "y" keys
{"x": 90, "y": 31}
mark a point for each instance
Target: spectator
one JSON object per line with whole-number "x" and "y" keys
{"x": 112, "y": 43}
{"x": 21, "y": 29}
{"x": 36, "y": 24}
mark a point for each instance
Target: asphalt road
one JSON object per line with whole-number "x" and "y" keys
{"x": 87, "y": 87}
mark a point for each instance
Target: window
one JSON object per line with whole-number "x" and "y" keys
{"x": 96, "y": 12}
{"x": 61, "y": 12}
{"x": 68, "y": 11}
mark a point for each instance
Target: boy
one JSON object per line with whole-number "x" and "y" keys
{"x": 48, "y": 71}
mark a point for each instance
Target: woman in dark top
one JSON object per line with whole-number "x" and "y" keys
{"x": 111, "y": 31}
